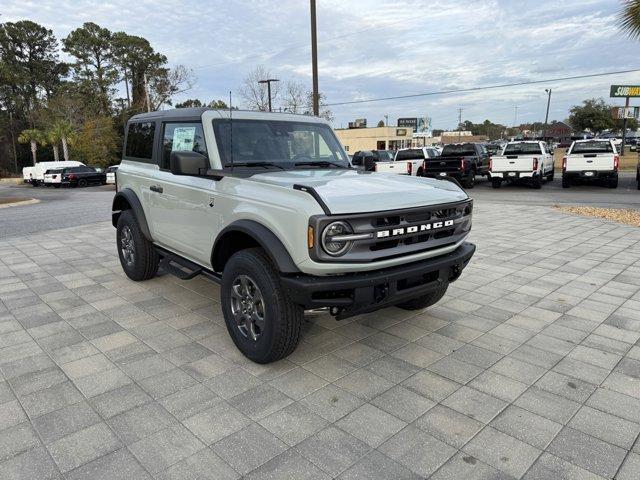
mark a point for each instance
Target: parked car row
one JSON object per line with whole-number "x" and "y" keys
{"x": 529, "y": 162}
{"x": 67, "y": 174}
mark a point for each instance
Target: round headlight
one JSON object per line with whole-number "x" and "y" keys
{"x": 331, "y": 244}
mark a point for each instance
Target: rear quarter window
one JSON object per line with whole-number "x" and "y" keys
{"x": 140, "y": 137}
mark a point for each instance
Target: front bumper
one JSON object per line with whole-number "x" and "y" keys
{"x": 363, "y": 292}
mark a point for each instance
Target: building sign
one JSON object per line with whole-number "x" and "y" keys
{"x": 622, "y": 112}
{"x": 625, "y": 91}
{"x": 401, "y": 132}
{"x": 415, "y": 124}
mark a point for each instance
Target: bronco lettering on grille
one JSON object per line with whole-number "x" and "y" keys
{"x": 425, "y": 227}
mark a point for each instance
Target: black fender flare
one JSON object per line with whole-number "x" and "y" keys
{"x": 265, "y": 238}
{"x": 128, "y": 196}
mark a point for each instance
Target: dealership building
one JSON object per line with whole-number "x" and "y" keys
{"x": 408, "y": 133}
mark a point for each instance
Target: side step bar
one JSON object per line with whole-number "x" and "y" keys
{"x": 184, "y": 269}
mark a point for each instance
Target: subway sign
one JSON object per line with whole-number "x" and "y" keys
{"x": 625, "y": 91}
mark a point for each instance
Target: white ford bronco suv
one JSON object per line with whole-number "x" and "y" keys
{"x": 266, "y": 205}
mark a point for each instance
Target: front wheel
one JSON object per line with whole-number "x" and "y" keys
{"x": 425, "y": 300}
{"x": 261, "y": 318}
{"x": 138, "y": 257}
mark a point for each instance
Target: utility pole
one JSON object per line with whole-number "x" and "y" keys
{"x": 624, "y": 127}
{"x": 314, "y": 61}
{"x": 146, "y": 92}
{"x": 386, "y": 120}
{"x": 268, "y": 82}
{"x": 459, "y": 123}
{"x": 546, "y": 117}
{"x": 13, "y": 142}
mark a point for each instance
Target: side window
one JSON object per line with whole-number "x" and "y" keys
{"x": 140, "y": 140}
{"x": 185, "y": 136}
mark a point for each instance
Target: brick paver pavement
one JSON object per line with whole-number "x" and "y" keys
{"x": 529, "y": 368}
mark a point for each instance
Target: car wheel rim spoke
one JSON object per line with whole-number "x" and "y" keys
{"x": 127, "y": 246}
{"x": 247, "y": 307}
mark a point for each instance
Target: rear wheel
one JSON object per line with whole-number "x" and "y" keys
{"x": 82, "y": 183}
{"x": 550, "y": 177}
{"x": 565, "y": 182}
{"x": 470, "y": 180}
{"x": 496, "y": 182}
{"x": 138, "y": 257}
{"x": 424, "y": 301}
{"x": 261, "y": 318}
{"x": 612, "y": 182}
{"x": 536, "y": 182}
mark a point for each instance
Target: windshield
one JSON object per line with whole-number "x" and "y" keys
{"x": 285, "y": 144}
{"x": 410, "y": 154}
{"x": 462, "y": 149}
{"x": 522, "y": 148}
{"x": 592, "y": 147}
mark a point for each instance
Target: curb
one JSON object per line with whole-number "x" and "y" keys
{"x": 31, "y": 201}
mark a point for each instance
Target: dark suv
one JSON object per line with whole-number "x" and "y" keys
{"x": 82, "y": 176}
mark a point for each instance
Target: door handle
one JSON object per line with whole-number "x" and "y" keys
{"x": 155, "y": 188}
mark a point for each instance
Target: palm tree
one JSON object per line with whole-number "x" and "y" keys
{"x": 630, "y": 17}
{"x": 63, "y": 130}
{"x": 54, "y": 139}
{"x": 34, "y": 137}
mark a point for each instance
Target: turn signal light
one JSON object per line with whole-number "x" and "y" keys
{"x": 535, "y": 164}
{"x": 564, "y": 164}
{"x": 409, "y": 167}
{"x": 310, "y": 237}
{"x": 616, "y": 162}
{"x": 491, "y": 164}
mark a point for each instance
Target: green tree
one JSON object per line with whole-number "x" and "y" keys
{"x": 29, "y": 65}
{"x": 95, "y": 67}
{"x": 33, "y": 137}
{"x": 219, "y": 104}
{"x": 381, "y": 123}
{"x": 593, "y": 115}
{"x": 630, "y": 18}
{"x": 137, "y": 60}
{"x": 189, "y": 103}
{"x": 96, "y": 143}
{"x": 63, "y": 129}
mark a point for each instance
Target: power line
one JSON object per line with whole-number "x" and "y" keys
{"x": 488, "y": 87}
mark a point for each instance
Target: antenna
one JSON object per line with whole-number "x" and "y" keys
{"x": 231, "y": 128}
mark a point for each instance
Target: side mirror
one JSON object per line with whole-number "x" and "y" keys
{"x": 188, "y": 163}
{"x": 369, "y": 163}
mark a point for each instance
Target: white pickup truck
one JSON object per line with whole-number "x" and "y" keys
{"x": 408, "y": 161}
{"x": 522, "y": 161}
{"x": 591, "y": 160}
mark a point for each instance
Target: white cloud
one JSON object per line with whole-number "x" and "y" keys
{"x": 378, "y": 48}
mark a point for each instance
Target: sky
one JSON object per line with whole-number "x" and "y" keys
{"x": 379, "y": 48}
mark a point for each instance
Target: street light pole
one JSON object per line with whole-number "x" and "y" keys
{"x": 546, "y": 117}
{"x": 268, "y": 82}
{"x": 314, "y": 60}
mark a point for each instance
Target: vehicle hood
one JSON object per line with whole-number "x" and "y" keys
{"x": 352, "y": 191}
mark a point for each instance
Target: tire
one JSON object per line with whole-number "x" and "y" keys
{"x": 496, "y": 183}
{"x": 536, "y": 182}
{"x": 550, "y": 177}
{"x": 470, "y": 180}
{"x": 612, "y": 182}
{"x": 565, "y": 182}
{"x": 277, "y": 332}
{"x": 82, "y": 183}
{"x": 56, "y": 186}
{"x": 420, "y": 173}
{"x": 143, "y": 265}
{"x": 424, "y": 301}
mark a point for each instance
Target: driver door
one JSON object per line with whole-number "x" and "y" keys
{"x": 182, "y": 207}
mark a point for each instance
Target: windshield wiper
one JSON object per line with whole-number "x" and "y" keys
{"x": 254, "y": 164}
{"x": 321, "y": 163}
